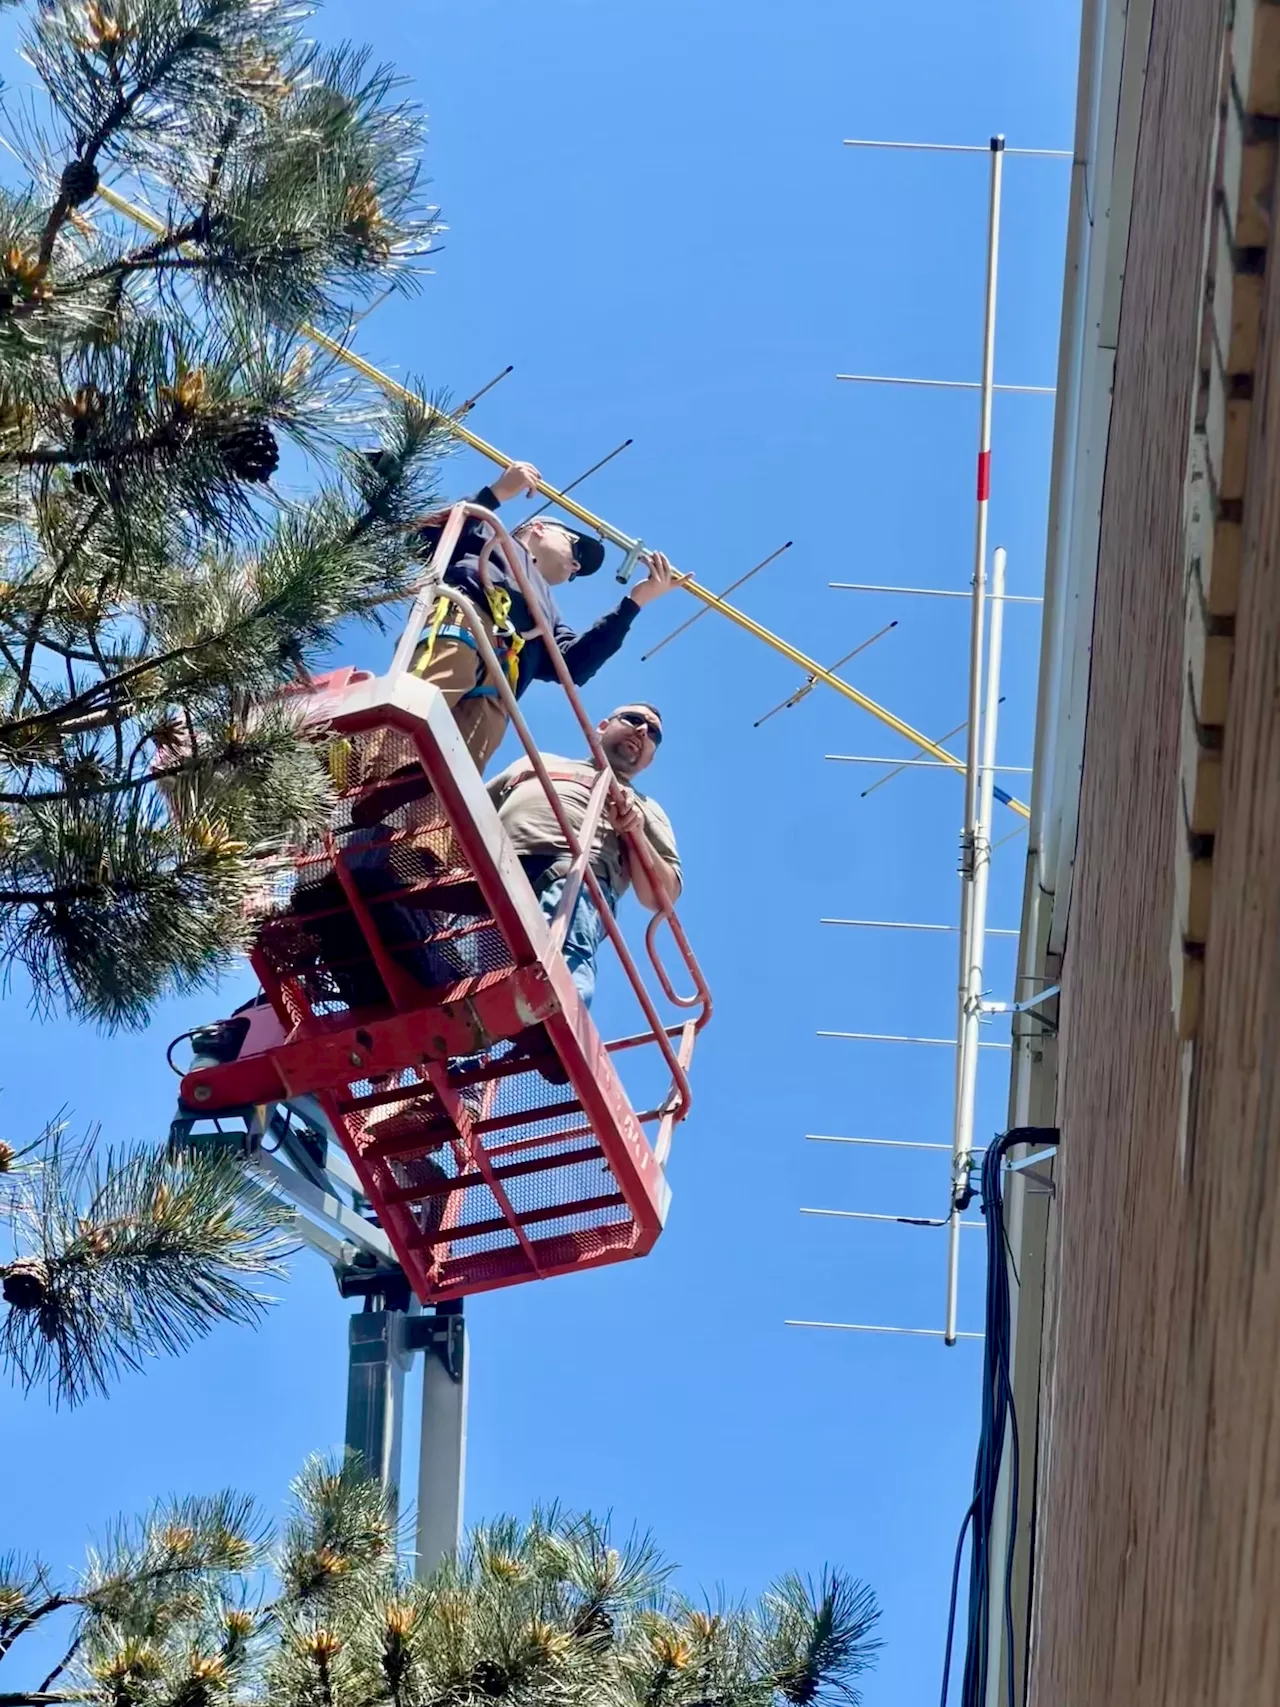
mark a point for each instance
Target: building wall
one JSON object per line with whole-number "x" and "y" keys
{"x": 1158, "y": 1523}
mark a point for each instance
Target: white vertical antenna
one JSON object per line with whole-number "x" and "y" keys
{"x": 971, "y": 991}
{"x": 962, "y": 1133}
{"x": 980, "y": 789}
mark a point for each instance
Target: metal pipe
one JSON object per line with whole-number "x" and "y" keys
{"x": 874, "y": 1328}
{"x": 942, "y": 384}
{"x": 976, "y": 631}
{"x": 971, "y": 1016}
{"x": 876, "y": 1143}
{"x": 586, "y": 475}
{"x": 559, "y": 922}
{"x": 909, "y": 764}
{"x": 958, "y": 148}
{"x": 731, "y": 588}
{"x": 898, "y": 1220}
{"x": 900, "y": 925}
{"x": 804, "y": 691}
{"x": 927, "y": 593}
{"x": 891, "y": 1037}
{"x": 442, "y": 1452}
{"x": 469, "y": 404}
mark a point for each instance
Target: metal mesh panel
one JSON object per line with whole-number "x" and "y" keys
{"x": 550, "y": 1174}
{"x": 404, "y": 861}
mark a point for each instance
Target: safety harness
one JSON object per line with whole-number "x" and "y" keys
{"x": 584, "y": 775}
{"x": 506, "y": 642}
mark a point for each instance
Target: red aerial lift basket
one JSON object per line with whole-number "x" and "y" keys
{"x": 417, "y": 995}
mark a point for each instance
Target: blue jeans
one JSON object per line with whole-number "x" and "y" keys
{"x": 586, "y": 928}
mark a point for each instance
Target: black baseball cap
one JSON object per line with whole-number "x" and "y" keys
{"x": 588, "y": 551}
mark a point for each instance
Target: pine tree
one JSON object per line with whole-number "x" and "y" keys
{"x": 199, "y": 1606}
{"x": 153, "y": 592}
{"x": 157, "y": 591}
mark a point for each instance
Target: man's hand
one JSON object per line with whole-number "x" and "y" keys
{"x": 520, "y": 480}
{"x": 660, "y": 579}
{"x": 624, "y": 815}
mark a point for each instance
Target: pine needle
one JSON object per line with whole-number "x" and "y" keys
{"x": 124, "y": 1256}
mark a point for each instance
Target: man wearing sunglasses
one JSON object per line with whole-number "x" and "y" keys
{"x": 553, "y": 556}
{"x": 630, "y": 737}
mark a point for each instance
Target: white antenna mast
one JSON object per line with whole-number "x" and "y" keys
{"x": 980, "y": 788}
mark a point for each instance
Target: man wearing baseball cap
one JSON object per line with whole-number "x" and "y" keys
{"x": 553, "y": 555}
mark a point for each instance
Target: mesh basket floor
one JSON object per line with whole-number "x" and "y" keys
{"x": 452, "y": 1200}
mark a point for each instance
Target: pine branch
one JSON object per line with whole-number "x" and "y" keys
{"x": 819, "y": 1640}
{"x": 61, "y": 569}
{"x": 64, "y": 1662}
{"x": 120, "y": 1259}
{"x": 190, "y": 43}
{"x": 111, "y": 685}
{"x": 503, "y": 1622}
{"x": 122, "y": 784}
{"x": 166, "y": 437}
{"x": 157, "y": 596}
{"x": 37, "y": 1614}
{"x": 54, "y": 897}
{"x": 44, "y": 1698}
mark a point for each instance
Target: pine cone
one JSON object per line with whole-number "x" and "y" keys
{"x": 489, "y": 1678}
{"x": 25, "y": 1283}
{"x": 79, "y": 182}
{"x": 595, "y": 1625}
{"x": 382, "y": 462}
{"x": 251, "y": 451}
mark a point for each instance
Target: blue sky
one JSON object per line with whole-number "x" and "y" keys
{"x": 652, "y": 216}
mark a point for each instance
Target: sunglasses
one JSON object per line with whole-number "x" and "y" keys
{"x": 638, "y": 720}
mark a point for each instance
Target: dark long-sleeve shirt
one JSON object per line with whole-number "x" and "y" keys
{"x": 584, "y": 653}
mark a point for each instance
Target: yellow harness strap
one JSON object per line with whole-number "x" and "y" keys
{"x": 500, "y": 610}
{"x": 509, "y": 644}
{"x": 437, "y": 617}
{"x": 338, "y": 756}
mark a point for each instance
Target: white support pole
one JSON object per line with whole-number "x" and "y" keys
{"x": 972, "y": 995}
{"x": 442, "y": 1457}
{"x": 983, "y": 484}
{"x": 962, "y": 1139}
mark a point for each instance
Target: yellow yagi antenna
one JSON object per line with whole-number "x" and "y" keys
{"x": 633, "y": 547}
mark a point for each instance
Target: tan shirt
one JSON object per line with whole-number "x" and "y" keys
{"x": 528, "y": 819}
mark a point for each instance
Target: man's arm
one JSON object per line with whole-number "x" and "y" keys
{"x": 585, "y": 653}
{"x": 520, "y": 477}
{"x": 629, "y": 819}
